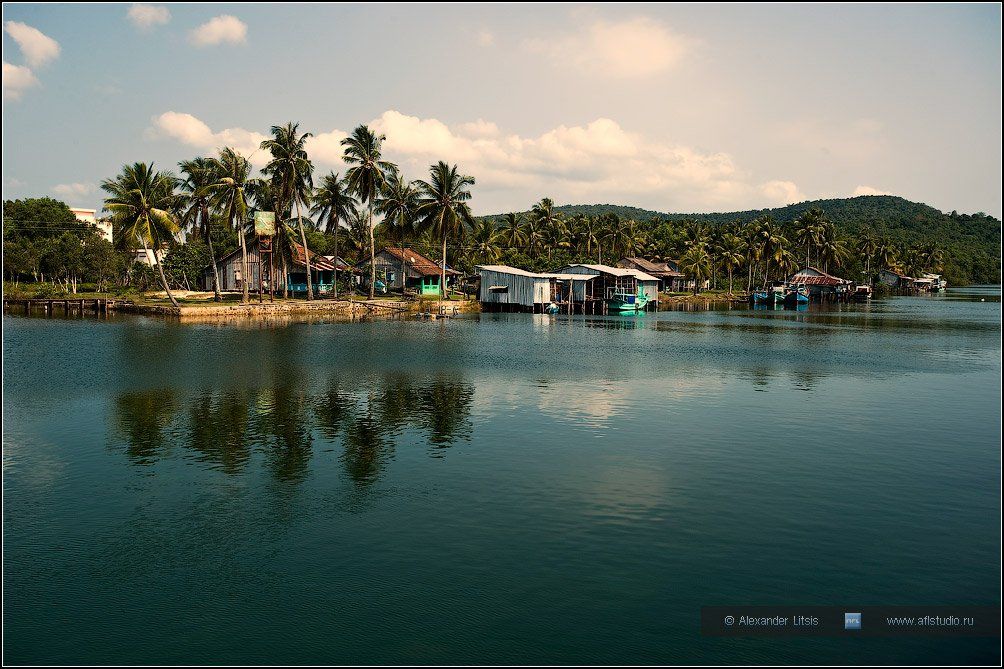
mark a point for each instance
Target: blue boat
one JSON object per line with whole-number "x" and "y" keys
{"x": 796, "y": 297}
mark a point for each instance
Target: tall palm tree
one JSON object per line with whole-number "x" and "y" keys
{"x": 867, "y": 245}
{"x": 398, "y": 203}
{"x": 730, "y": 252}
{"x": 808, "y": 229}
{"x": 550, "y": 223}
{"x": 291, "y": 168}
{"x": 697, "y": 263}
{"x": 140, "y": 200}
{"x": 333, "y": 204}
{"x": 513, "y": 232}
{"x": 484, "y": 241}
{"x": 444, "y": 208}
{"x": 589, "y": 232}
{"x": 228, "y": 194}
{"x": 366, "y": 177}
{"x": 199, "y": 173}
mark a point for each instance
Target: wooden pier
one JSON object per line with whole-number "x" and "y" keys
{"x": 98, "y": 306}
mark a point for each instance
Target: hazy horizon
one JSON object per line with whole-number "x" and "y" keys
{"x": 683, "y": 109}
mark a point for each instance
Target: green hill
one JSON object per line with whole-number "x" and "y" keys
{"x": 971, "y": 242}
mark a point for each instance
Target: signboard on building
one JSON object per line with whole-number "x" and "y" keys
{"x": 264, "y": 223}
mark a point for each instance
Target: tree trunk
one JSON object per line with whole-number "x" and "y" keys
{"x": 160, "y": 267}
{"x": 442, "y": 284}
{"x": 372, "y": 253}
{"x": 334, "y": 281}
{"x": 285, "y": 279}
{"x": 306, "y": 252}
{"x": 244, "y": 263}
{"x": 217, "y": 296}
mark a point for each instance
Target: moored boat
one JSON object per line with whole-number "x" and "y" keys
{"x": 620, "y": 302}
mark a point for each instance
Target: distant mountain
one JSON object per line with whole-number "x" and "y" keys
{"x": 971, "y": 242}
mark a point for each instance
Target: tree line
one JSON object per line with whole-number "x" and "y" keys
{"x": 212, "y": 200}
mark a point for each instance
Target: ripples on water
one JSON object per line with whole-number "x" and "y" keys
{"x": 503, "y": 488}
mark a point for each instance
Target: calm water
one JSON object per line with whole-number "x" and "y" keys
{"x": 509, "y": 488}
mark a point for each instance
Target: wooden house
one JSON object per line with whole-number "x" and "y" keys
{"x": 822, "y": 286}
{"x": 232, "y": 274}
{"x": 407, "y": 268}
{"x": 669, "y": 274}
{"x": 505, "y": 288}
{"x": 893, "y": 279}
{"x": 609, "y": 280}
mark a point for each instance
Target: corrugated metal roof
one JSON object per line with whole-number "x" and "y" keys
{"x": 820, "y": 278}
{"x": 416, "y": 261}
{"x": 617, "y": 271}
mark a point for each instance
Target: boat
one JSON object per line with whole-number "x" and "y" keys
{"x": 552, "y": 308}
{"x": 862, "y": 293}
{"x": 622, "y": 301}
{"x": 771, "y": 296}
{"x": 796, "y": 296}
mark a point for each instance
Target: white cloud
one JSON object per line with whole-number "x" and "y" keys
{"x": 73, "y": 190}
{"x": 193, "y": 132}
{"x": 596, "y": 162}
{"x": 630, "y": 48}
{"x": 486, "y": 38}
{"x": 219, "y": 30}
{"x": 17, "y": 79}
{"x": 868, "y": 190}
{"x": 146, "y": 16}
{"x": 782, "y": 192}
{"x": 38, "y": 48}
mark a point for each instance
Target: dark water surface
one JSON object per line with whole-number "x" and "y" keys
{"x": 503, "y": 488}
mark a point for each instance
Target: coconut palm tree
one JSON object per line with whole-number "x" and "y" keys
{"x": 366, "y": 177}
{"x": 730, "y": 253}
{"x": 808, "y": 229}
{"x": 141, "y": 200}
{"x": 867, "y": 245}
{"x": 199, "y": 173}
{"x": 513, "y": 230}
{"x": 228, "y": 194}
{"x": 589, "y": 233}
{"x": 333, "y": 204}
{"x": 291, "y": 168}
{"x": 696, "y": 262}
{"x": 550, "y": 223}
{"x": 398, "y": 204}
{"x": 444, "y": 209}
{"x": 484, "y": 242}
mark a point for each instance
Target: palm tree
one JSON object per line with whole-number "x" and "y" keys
{"x": 198, "y": 174}
{"x": 366, "y": 177}
{"x": 589, "y": 232}
{"x": 293, "y": 170}
{"x": 867, "y": 245}
{"x": 484, "y": 241}
{"x": 444, "y": 209}
{"x": 333, "y": 204}
{"x": 697, "y": 263}
{"x": 398, "y": 203}
{"x": 228, "y": 195}
{"x": 550, "y": 223}
{"x": 808, "y": 229}
{"x": 140, "y": 200}
{"x": 731, "y": 255}
{"x": 513, "y": 230}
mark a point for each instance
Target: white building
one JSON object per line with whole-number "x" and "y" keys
{"x": 90, "y": 216}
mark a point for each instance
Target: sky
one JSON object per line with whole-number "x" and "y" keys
{"x": 677, "y": 108}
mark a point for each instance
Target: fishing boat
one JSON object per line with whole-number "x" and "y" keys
{"x": 862, "y": 293}
{"x": 623, "y": 301}
{"x": 796, "y": 296}
{"x": 771, "y": 296}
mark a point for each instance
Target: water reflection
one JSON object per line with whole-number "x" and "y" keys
{"x": 279, "y": 424}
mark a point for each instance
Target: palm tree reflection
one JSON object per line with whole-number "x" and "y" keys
{"x": 368, "y": 417}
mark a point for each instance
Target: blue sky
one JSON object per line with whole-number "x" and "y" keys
{"x": 676, "y": 108}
